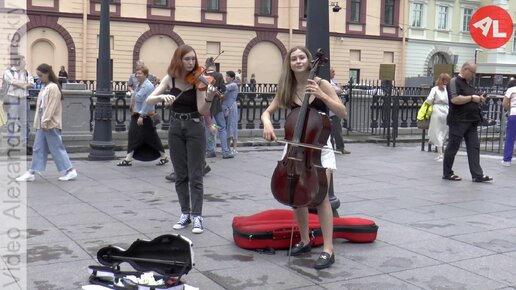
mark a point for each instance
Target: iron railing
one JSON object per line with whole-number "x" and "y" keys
{"x": 371, "y": 112}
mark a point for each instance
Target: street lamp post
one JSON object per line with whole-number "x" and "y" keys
{"x": 317, "y": 36}
{"x": 101, "y": 147}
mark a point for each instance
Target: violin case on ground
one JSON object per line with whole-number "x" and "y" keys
{"x": 167, "y": 257}
{"x": 271, "y": 229}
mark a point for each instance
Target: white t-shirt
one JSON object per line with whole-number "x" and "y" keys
{"x": 511, "y": 94}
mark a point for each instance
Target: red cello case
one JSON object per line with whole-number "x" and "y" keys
{"x": 271, "y": 229}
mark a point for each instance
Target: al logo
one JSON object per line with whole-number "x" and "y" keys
{"x": 491, "y": 27}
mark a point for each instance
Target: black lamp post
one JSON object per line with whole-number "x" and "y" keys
{"x": 318, "y": 36}
{"x": 101, "y": 147}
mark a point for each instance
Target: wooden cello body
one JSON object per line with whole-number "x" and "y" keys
{"x": 299, "y": 179}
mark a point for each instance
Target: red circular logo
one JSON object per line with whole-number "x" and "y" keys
{"x": 491, "y": 27}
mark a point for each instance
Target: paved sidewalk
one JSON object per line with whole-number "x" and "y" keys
{"x": 433, "y": 234}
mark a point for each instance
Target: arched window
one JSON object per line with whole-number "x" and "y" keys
{"x": 437, "y": 58}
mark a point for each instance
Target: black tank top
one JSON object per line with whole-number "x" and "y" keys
{"x": 187, "y": 102}
{"x": 316, "y": 104}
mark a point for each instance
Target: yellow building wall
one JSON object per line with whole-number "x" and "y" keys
{"x": 44, "y": 45}
{"x": 264, "y": 59}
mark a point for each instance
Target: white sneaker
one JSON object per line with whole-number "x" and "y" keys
{"x": 506, "y": 163}
{"x": 72, "y": 174}
{"x": 197, "y": 225}
{"x": 27, "y": 176}
{"x": 183, "y": 222}
{"x": 439, "y": 158}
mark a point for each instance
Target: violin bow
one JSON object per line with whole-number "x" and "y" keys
{"x": 157, "y": 261}
{"x": 300, "y": 144}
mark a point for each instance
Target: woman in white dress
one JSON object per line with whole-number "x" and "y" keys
{"x": 438, "y": 129}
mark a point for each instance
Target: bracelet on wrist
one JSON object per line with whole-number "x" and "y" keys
{"x": 207, "y": 101}
{"x": 471, "y": 98}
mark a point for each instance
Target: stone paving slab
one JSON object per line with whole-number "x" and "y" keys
{"x": 434, "y": 234}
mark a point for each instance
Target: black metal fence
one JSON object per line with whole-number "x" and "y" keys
{"x": 373, "y": 109}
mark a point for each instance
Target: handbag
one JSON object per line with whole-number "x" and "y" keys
{"x": 423, "y": 116}
{"x": 423, "y": 124}
{"x": 3, "y": 116}
{"x": 156, "y": 119}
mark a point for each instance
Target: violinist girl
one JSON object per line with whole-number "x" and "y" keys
{"x": 186, "y": 136}
{"x": 293, "y": 84}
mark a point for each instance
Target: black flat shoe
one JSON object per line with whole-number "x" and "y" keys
{"x": 483, "y": 178}
{"x": 324, "y": 261}
{"x": 300, "y": 248}
{"x": 171, "y": 177}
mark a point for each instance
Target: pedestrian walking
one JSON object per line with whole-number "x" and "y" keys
{"x": 463, "y": 119}
{"x": 509, "y": 103}
{"x": 48, "y": 124}
{"x": 292, "y": 87}
{"x": 438, "y": 129}
{"x": 186, "y": 134}
{"x": 17, "y": 81}
{"x": 336, "y": 123}
{"x": 230, "y": 108}
{"x": 143, "y": 142}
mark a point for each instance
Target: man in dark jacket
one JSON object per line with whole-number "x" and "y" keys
{"x": 463, "y": 119}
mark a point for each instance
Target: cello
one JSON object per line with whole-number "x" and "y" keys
{"x": 299, "y": 179}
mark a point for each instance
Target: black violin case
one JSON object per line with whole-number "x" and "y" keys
{"x": 271, "y": 229}
{"x": 167, "y": 257}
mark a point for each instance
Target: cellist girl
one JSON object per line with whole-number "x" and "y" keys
{"x": 293, "y": 84}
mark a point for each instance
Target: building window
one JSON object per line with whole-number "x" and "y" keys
{"x": 354, "y": 75}
{"x": 389, "y": 12}
{"x": 417, "y": 15}
{"x": 266, "y": 7}
{"x": 442, "y": 17}
{"x": 388, "y": 57}
{"x": 466, "y": 19}
{"x": 160, "y": 3}
{"x": 213, "y": 5}
{"x": 355, "y": 10}
{"x": 355, "y": 55}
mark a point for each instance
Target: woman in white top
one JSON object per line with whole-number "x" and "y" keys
{"x": 438, "y": 129}
{"x": 509, "y": 103}
{"x": 48, "y": 124}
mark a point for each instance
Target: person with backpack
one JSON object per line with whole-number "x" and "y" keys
{"x": 16, "y": 83}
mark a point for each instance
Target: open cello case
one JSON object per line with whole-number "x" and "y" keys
{"x": 166, "y": 258}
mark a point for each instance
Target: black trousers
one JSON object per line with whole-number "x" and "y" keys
{"x": 336, "y": 133}
{"x": 468, "y": 131}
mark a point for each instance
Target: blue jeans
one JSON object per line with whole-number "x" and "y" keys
{"x": 210, "y": 140}
{"x": 17, "y": 110}
{"x": 223, "y": 134}
{"x": 49, "y": 142}
{"x": 509, "y": 139}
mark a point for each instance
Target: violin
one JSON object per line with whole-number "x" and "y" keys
{"x": 299, "y": 179}
{"x": 202, "y": 81}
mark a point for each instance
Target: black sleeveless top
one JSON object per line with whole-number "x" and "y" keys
{"x": 316, "y": 104}
{"x": 187, "y": 102}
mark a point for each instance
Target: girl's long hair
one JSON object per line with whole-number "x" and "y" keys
{"x": 47, "y": 69}
{"x": 176, "y": 64}
{"x": 444, "y": 77}
{"x": 287, "y": 82}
